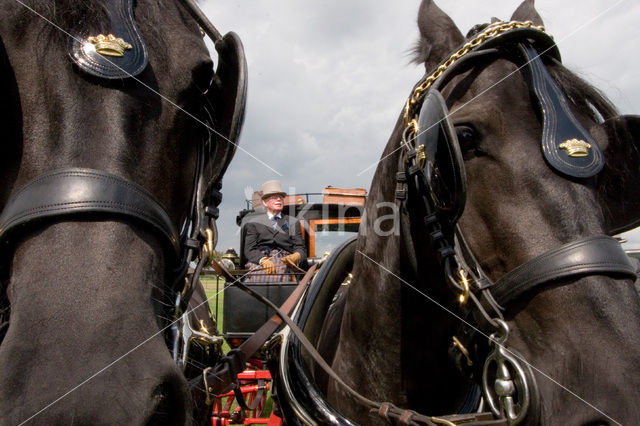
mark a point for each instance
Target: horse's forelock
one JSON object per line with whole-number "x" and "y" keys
{"x": 583, "y": 95}
{"x": 63, "y": 17}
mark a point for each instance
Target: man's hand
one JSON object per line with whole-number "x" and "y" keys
{"x": 292, "y": 259}
{"x": 268, "y": 266}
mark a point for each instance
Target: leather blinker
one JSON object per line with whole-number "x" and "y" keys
{"x": 439, "y": 156}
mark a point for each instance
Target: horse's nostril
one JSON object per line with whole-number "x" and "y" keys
{"x": 170, "y": 406}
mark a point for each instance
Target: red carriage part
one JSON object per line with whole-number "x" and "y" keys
{"x": 254, "y": 387}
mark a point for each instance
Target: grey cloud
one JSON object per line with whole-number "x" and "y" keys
{"x": 327, "y": 80}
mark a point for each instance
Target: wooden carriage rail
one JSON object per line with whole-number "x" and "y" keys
{"x": 330, "y": 195}
{"x": 331, "y": 221}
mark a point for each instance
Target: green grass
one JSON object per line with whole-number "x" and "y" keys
{"x": 214, "y": 286}
{"x": 215, "y": 294}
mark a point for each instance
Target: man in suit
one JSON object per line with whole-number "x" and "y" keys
{"x": 273, "y": 240}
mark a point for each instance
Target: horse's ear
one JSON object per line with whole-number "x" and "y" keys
{"x": 439, "y": 36}
{"x": 619, "y": 180}
{"x": 527, "y": 12}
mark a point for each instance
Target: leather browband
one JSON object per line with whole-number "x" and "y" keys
{"x": 69, "y": 192}
{"x": 589, "y": 256}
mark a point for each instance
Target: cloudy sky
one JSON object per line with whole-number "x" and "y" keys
{"x": 328, "y": 78}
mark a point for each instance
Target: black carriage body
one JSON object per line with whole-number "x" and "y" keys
{"x": 243, "y": 314}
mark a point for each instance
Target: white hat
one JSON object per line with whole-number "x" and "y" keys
{"x": 272, "y": 187}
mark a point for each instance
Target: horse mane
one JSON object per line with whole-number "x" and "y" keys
{"x": 70, "y": 16}
{"x": 583, "y": 95}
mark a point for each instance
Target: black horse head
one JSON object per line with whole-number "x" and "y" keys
{"x": 118, "y": 133}
{"x": 491, "y": 173}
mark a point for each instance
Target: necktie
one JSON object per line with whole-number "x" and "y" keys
{"x": 274, "y": 221}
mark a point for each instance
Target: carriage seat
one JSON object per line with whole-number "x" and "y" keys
{"x": 243, "y": 315}
{"x": 245, "y": 217}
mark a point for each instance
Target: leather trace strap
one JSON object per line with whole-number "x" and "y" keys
{"x": 599, "y": 255}
{"x": 221, "y": 379}
{"x": 63, "y": 193}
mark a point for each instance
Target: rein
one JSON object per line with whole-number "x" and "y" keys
{"x": 223, "y": 377}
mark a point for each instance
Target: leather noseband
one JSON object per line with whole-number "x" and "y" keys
{"x": 61, "y": 194}
{"x": 588, "y": 256}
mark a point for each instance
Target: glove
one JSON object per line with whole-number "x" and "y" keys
{"x": 268, "y": 266}
{"x": 292, "y": 259}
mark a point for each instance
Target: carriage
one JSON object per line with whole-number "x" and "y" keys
{"x": 502, "y": 211}
{"x": 326, "y": 220}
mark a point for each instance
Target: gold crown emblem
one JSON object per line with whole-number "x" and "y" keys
{"x": 109, "y": 45}
{"x": 575, "y": 147}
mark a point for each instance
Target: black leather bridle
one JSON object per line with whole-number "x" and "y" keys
{"x": 432, "y": 166}
{"x": 75, "y": 193}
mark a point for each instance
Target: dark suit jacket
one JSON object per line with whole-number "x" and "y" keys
{"x": 259, "y": 233}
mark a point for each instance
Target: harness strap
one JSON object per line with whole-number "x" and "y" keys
{"x": 219, "y": 380}
{"x": 391, "y": 413}
{"x": 589, "y": 256}
{"x": 253, "y": 343}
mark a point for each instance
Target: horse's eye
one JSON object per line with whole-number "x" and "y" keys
{"x": 468, "y": 139}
